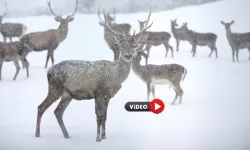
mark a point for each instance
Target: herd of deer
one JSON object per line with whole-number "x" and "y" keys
{"x": 101, "y": 80}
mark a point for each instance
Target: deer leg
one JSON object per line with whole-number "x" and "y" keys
{"x": 26, "y": 65}
{"x": 176, "y": 96}
{"x": 64, "y": 103}
{"x": 116, "y": 54}
{"x": 216, "y": 52}
{"x": 4, "y": 38}
{"x": 103, "y": 136}
{"x": 212, "y": 50}
{"x": 1, "y": 65}
{"x": 148, "y": 91}
{"x": 194, "y": 50}
{"x": 10, "y": 39}
{"x": 179, "y": 92}
{"x": 153, "y": 91}
{"x": 47, "y": 59}
{"x": 99, "y": 111}
{"x": 17, "y": 69}
{"x": 54, "y": 94}
{"x": 52, "y": 58}
{"x": 233, "y": 53}
{"x": 249, "y": 52}
{"x": 237, "y": 55}
{"x": 167, "y": 48}
{"x": 177, "y": 45}
{"x": 172, "y": 50}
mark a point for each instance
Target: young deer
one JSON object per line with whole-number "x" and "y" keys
{"x": 177, "y": 33}
{"x": 153, "y": 75}
{"x": 157, "y": 39}
{"x": 84, "y": 80}
{"x": 14, "y": 51}
{"x": 121, "y": 28}
{"x": 11, "y": 30}
{"x": 50, "y": 39}
{"x": 237, "y": 41}
{"x": 200, "y": 39}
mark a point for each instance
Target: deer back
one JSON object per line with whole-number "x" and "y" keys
{"x": 240, "y": 40}
{"x": 11, "y": 51}
{"x": 158, "y": 37}
{"x": 12, "y": 29}
{"x": 41, "y": 40}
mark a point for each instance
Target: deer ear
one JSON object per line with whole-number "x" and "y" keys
{"x": 101, "y": 24}
{"x": 222, "y": 22}
{"x": 71, "y": 19}
{"x": 232, "y": 22}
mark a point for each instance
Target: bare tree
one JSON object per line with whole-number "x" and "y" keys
{"x": 49, "y": 40}
{"x": 236, "y": 41}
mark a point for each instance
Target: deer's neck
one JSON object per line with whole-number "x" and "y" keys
{"x": 62, "y": 32}
{"x": 137, "y": 67}
{"x": 229, "y": 34}
{"x": 123, "y": 68}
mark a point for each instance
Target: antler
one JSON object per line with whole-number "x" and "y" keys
{"x": 105, "y": 22}
{"x": 146, "y": 24}
{"x": 51, "y": 10}
{"x": 5, "y": 10}
{"x": 69, "y": 16}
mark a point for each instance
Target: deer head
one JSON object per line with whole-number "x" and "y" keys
{"x": 227, "y": 25}
{"x": 4, "y": 14}
{"x": 174, "y": 23}
{"x": 141, "y": 23}
{"x": 109, "y": 18}
{"x": 129, "y": 45}
{"x": 58, "y": 18}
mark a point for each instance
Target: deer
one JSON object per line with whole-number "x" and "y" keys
{"x": 167, "y": 74}
{"x": 84, "y": 80}
{"x": 177, "y": 33}
{"x": 14, "y": 51}
{"x": 50, "y": 39}
{"x": 11, "y": 30}
{"x": 122, "y": 28}
{"x": 156, "y": 39}
{"x": 201, "y": 39}
{"x": 236, "y": 41}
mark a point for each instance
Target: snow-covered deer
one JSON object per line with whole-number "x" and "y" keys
{"x": 11, "y": 30}
{"x": 83, "y": 80}
{"x": 237, "y": 41}
{"x": 49, "y": 40}
{"x": 14, "y": 51}
{"x": 121, "y": 28}
{"x": 157, "y": 39}
{"x": 177, "y": 33}
{"x": 200, "y": 39}
{"x": 168, "y": 74}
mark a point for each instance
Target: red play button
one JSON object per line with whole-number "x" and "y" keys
{"x": 156, "y": 106}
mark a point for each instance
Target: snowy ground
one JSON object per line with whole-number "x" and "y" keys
{"x": 215, "y": 111}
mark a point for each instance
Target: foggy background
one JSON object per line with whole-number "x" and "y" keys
{"x": 21, "y": 8}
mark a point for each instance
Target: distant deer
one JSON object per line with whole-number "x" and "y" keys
{"x": 84, "y": 80}
{"x": 157, "y": 39}
{"x": 151, "y": 75}
{"x": 121, "y": 28}
{"x": 11, "y": 30}
{"x": 237, "y": 41}
{"x": 177, "y": 33}
{"x": 200, "y": 39}
{"x": 50, "y": 39}
{"x": 14, "y": 51}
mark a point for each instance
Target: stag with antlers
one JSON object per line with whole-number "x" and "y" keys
{"x": 84, "y": 80}
{"x": 121, "y": 28}
{"x": 49, "y": 40}
{"x": 11, "y": 30}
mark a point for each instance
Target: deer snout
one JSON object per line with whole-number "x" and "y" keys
{"x": 128, "y": 56}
